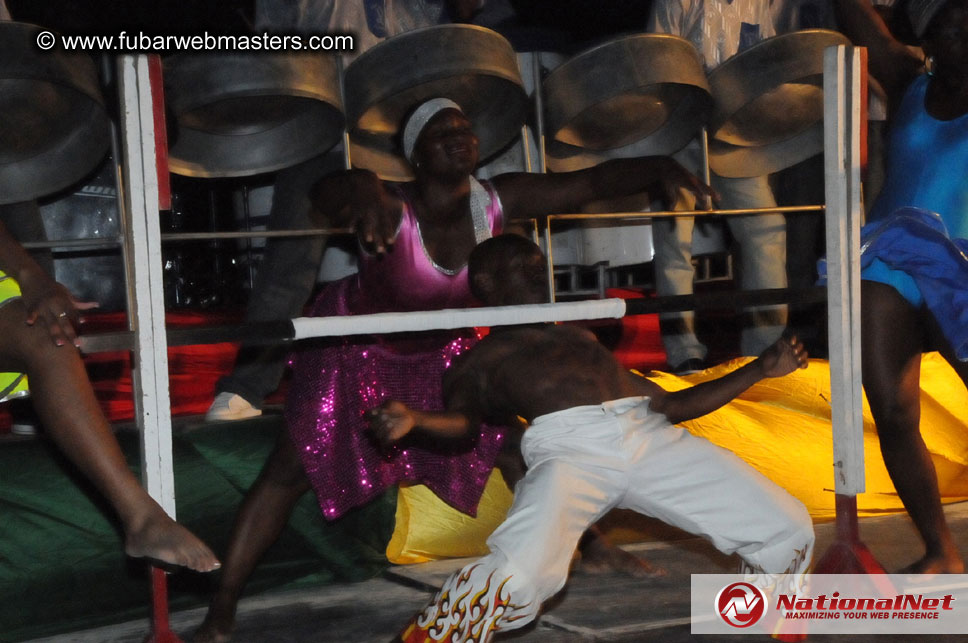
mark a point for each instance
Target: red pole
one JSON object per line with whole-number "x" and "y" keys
{"x": 161, "y": 132}
{"x": 160, "y": 628}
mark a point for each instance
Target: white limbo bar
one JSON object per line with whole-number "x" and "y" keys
{"x": 380, "y": 323}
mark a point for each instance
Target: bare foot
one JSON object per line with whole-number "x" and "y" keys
{"x": 940, "y": 564}
{"x": 159, "y": 537}
{"x": 213, "y": 630}
{"x": 598, "y": 556}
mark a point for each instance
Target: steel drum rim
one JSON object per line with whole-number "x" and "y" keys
{"x": 556, "y": 75}
{"x": 731, "y": 91}
{"x": 196, "y": 82}
{"x": 39, "y": 174}
{"x": 693, "y": 93}
{"x": 381, "y": 153}
{"x": 563, "y": 157}
{"x": 384, "y": 90}
{"x": 178, "y": 70}
{"x": 735, "y": 161}
{"x": 83, "y": 77}
{"x": 228, "y": 162}
{"x": 562, "y": 107}
{"x": 378, "y": 96}
{"x": 91, "y": 142}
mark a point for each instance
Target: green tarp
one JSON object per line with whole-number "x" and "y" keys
{"x": 62, "y": 567}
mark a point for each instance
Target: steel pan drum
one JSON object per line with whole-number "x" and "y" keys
{"x": 473, "y": 66}
{"x": 239, "y": 115}
{"x": 53, "y": 126}
{"x": 769, "y": 104}
{"x": 636, "y": 95}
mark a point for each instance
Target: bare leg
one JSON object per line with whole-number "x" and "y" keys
{"x": 601, "y": 556}
{"x": 598, "y": 554}
{"x": 66, "y": 405}
{"x": 262, "y": 517}
{"x": 891, "y": 335}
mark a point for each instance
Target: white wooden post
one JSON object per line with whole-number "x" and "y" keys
{"x": 842, "y": 127}
{"x": 146, "y": 309}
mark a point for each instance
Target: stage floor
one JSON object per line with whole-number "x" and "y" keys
{"x": 591, "y": 608}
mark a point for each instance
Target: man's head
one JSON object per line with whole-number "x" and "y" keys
{"x": 508, "y": 269}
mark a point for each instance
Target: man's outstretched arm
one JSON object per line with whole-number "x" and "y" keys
{"x": 783, "y": 357}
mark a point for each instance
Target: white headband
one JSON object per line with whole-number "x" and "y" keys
{"x": 419, "y": 119}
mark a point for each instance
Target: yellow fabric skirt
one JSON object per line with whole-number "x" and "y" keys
{"x": 12, "y": 385}
{"x": 779, "y": 426}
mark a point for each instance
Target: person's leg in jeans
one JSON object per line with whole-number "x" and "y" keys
{"x": 285, "y": 279}
{"x": 674, "y": 272}
{"x": 762, "y": 261}
{"x": 674, "y": 275}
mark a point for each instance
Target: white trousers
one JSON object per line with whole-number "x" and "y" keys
{"x": 587, "y": 460}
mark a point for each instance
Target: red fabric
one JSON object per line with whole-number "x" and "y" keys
{"x": 640, "y": 345}
{"x": 193, "y": 370}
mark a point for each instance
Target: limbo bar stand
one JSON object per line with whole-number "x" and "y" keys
{"x": 845, "y": 120}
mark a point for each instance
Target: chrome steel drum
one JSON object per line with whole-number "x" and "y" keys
{"x": 53, "y": 126}
{"x": 473, "y": 66}
{"x": 636, "y": 95}
{"x": 769, "y": 104}
{"x": 239, "y": 115}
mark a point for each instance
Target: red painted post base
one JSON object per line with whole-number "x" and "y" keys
{"x": 789, "y": 638}
{"x": 160, "y": 629}
{"x": 847, "y": 555}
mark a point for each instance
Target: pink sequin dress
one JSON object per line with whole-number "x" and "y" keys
{"x": 334, "y": 385}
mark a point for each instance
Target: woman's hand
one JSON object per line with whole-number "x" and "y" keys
{"x": 53, "y": 305}
{"x": 376, "y": 218}
{"x": 783, "y": 357}
{"x": 360, "y": 200}
{"x": 670, "y": 177}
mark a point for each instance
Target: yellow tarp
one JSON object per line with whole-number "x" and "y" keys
{"x": 779, "y": 426}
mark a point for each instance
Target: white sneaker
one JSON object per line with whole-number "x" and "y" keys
{"x": 229, "y": 406}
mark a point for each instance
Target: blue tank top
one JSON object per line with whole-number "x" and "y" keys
{"x": 927, "y": 164}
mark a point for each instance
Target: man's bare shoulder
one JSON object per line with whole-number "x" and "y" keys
{"x": 492, "y": 347}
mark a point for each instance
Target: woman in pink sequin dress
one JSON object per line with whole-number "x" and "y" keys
{"x": 415, "y": 240}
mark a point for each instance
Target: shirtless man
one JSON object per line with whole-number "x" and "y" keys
{"x": 599, "y": 437}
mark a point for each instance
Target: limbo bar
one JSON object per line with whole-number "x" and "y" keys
{"x": 383, "y": 323}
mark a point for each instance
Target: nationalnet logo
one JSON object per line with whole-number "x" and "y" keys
{"x": 741, "y": 604}
{"x": 864, "y": 607}
{"x": 830, "y": 604}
